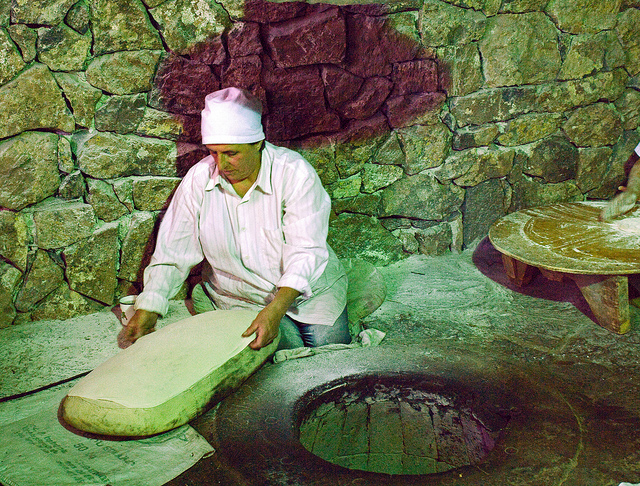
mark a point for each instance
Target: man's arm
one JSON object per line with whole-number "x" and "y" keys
{"x": 305, "y": 218}
{"x": 305, "y": 225}
{"x": 266, "y": 324}
{"x": 141, "y": 323}
{"x": 626, "y": 200}
{"x": 178, "y": 247}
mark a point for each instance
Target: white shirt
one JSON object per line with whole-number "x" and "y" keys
{"x": 274, "y": 236}
{"x": 638, "y": 149}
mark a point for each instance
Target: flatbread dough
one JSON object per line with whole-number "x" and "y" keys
{"x": 167, "y": 377}
{"x": 628, "y": 225}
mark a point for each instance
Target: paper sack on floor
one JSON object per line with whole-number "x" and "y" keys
{"x": 39, "y": 451}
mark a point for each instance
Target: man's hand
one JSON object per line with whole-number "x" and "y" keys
{"x": 626, "y": 200}
{"x": 622, "y": 203}
{"x": 143, "y": 322}
{"x": 266, "y": 326}
{"x": 267, "y": 322}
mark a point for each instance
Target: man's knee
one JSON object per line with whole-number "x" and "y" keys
{"x": 290, "y": 337}
{"x": 318, "y": 335}
{"x": 200, "y": 299}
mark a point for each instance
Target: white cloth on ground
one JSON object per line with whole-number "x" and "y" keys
{"x": 367, "y": 338}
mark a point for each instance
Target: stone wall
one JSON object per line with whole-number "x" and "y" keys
{"x": 426, "y": 120}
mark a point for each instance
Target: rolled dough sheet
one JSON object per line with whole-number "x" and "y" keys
{"x": 167, "y": 377}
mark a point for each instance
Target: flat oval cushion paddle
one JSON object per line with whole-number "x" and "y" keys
{"x": 166, "y": 378}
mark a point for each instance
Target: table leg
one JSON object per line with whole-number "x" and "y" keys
{"x": 552, "y": 275}
{"x": 518, "y": 272}
{"x": 608, "y": 297}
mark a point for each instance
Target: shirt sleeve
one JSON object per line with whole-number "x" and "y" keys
{"x": 638, "y": 149}
{"x": 305, "y": 227}
{"x": 178, "y": 247}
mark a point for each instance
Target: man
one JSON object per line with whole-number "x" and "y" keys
{"x": 626, "y": 200}
{"x": 258, "y": 216}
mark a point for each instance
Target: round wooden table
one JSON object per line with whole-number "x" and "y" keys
{"x": 567, "y": 240}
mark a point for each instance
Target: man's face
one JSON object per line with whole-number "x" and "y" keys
{"x": 238, "y": 161}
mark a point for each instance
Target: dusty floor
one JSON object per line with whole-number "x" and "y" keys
{"x": 457, "y": 307}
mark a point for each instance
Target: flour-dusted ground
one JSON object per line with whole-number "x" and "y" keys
{"x": 36, "y": 354}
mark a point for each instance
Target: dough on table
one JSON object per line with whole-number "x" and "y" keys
{"x": 166, "y": 378}
{"x": 628, "y": 225}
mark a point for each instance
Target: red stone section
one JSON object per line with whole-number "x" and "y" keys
{"x": 244, "y": 40}
{"x": 360, "y": 130}
{"x": 368, "y": 100}
{"x": 316, "y": 39}
{"x": 340, "y": 86}
{"x": 181, "y": 85}
{"x": 374, "y": 47}
{"x": 402, "y": 111}
{"x": 211, "y": 52}
{"x": 188, "y": 155}
{"x": 419, "y": 76}
{"x": 268, "y": 12}
{"x": 243, "y": 72}
{"x": 323, "y": 72}
{"x": 296, "y": 104}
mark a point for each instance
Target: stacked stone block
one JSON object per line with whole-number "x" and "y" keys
{"x": 426, "y": 120}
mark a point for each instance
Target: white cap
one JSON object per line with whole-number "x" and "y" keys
{"x": 231, "y": 115}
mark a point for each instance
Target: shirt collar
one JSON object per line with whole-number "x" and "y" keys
{"x": 263, "y": 182}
